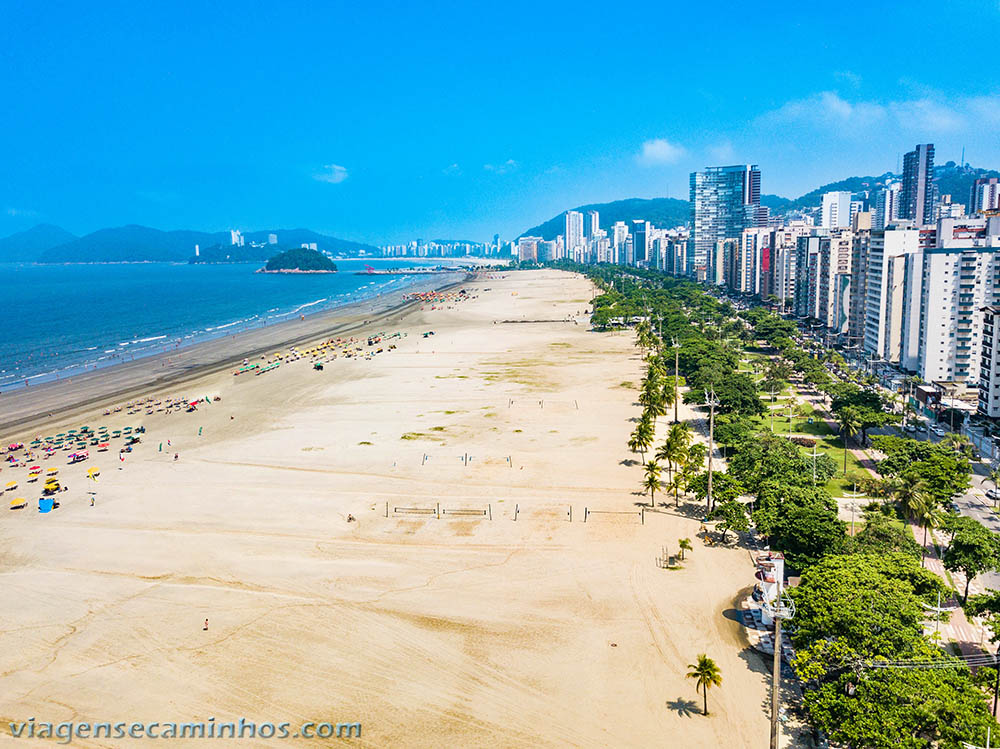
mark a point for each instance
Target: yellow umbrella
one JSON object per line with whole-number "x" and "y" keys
{"x": 11, "y": 485}
{"x": 93, "y": 473}
{"x": 16, "y": 504}
{"x": 52, "y": 471}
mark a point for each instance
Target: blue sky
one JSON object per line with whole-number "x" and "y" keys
{"x": 384, "y": 121}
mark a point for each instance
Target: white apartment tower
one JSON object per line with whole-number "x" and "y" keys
{"x": 836, "y": 211}
{"x": 574, "y": 234}
{"x": 884, "y": 285}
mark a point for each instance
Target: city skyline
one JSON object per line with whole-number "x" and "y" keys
{"x": 380, "y": 126}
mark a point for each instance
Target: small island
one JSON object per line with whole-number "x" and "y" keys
{"x": 299, "y": 260}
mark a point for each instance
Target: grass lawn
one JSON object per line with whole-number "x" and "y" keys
{"x": 818, "y": 428}
{"x": 840, "y": 483}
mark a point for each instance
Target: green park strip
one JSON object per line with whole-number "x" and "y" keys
{"x": 862, "y": 598}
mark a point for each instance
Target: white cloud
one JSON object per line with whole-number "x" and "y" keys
{"x": 849, "y": 76}
{"x": 930, "y": 115}
{"x": 452, "y": 170}
{"x": 334, "y": 174}
{"x": 659, "y": 151}
{"x": 721, "y": 152}
{"x": 508, "y": 166}
{"x": 20, "y": 212}
{"x": 827, "y": 110}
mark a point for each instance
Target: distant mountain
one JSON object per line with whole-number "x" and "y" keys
{"x": 776, "y": 203}
{"x": 814, "y": 198}
{"x": 28, "y": 245}
{"x": 143, "y": 244}
{"x": 662, "y": 212}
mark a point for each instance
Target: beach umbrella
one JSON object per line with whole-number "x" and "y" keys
{"x": 11, "y": 485}
{"x": 18, "y": 503}
{"x": 52, "y": 472}
{"x": 93, "y": 473}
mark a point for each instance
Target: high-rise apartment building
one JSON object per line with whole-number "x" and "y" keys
{"x": 619, "y": 234}
{"x": 725, "y": 200}
{"x": 884, "y": 284}
{"x": 918, "y": 193}
{"x": 985, "y": 195}
{"x": 948, "y": 283}
{"x": 836, "y": 210}
{"x": 574, "y": 233}
{"x": 527, "y": 249}
{"x": 887, "y": 205}
{"x": 807, "y": 277}
{"x": 989, "y": 363}
{"x": 592, "y": 224}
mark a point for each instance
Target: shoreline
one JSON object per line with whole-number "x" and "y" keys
{"x": 26, "y": 407}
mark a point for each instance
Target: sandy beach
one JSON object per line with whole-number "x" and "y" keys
{"x": 464, "y": 605}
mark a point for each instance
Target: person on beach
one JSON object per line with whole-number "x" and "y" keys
{"x": 176, "y": 456}
{"x": 205, "y": 628}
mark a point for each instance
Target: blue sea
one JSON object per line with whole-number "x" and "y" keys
{"x": 60, "y": 319}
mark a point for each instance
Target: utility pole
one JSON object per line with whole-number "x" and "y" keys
{"x": 677, "y": 354}
{"x": 712, "y": 403}
{"x": 780, "y": 610}
{"x": 773, "y": 391}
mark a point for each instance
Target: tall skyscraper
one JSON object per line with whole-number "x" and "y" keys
{"x": 725, "y": 200}
{"x": 592, "y": 225}
{"x": 640, "y": 240}
{"x": 836, "y": 213}
{"x": 917, "y": 196}
{"x": 574, "y": 233}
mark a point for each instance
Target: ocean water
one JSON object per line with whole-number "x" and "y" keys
{"x": 60, "y": 319}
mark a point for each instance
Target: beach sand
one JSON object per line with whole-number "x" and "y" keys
{"x": 460, "y": 630}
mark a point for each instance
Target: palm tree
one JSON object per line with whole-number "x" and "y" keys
{"x": 677, "y": 484}
{"x": 909, "y": 491}
{"x": 652, "y": 481}
{"x": 957, "y": 442}
{"x": 849, "y": 424}
{"x": 685, "y": 545}
{"x": 675, "y": 447}
{"x": 706, "y": 674}
{"x": 928, "y": 515}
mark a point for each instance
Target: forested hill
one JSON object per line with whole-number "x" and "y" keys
{"x": 662, "y": 212}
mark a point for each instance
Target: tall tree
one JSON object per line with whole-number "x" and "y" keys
{"x": 974, "y": 549}
{"x": 706, "y": 674}
{"x": 849, "y": 424}
{"x": 651, "y": 481}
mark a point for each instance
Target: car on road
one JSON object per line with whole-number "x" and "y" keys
{"x": 954, "y": 508}
{"x": 993, "y": 494}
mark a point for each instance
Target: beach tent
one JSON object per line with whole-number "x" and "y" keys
{"x": 45, "y": 504}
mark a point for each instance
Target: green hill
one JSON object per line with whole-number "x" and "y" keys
{"x": 661, "y": 212}
{"x": 301, "y": 259}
